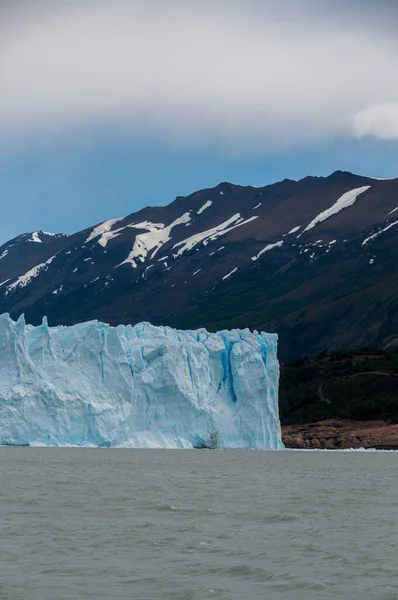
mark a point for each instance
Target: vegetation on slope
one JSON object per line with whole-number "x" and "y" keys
{"x": 358, "y": 385}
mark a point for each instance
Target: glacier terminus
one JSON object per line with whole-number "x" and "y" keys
{"x": 137, "y": 386}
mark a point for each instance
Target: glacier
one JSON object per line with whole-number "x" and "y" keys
{"x": 137, "y": 386}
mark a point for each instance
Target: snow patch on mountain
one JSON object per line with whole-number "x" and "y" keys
{"x": 156, "y": 236}
{"x": 346, "y": 200}
{"x": 35, "y": 238}
{"x": 25, "y": 279}
{"x": 103, "y": 232}
{"x": 376, "y": 235}
{"x": 230, "y": 274}
{"x": 110, "y": 235}
{"x": 50, "y": 234}
{"x": 267, "y": 249}
{"x": 204, "y": 207}
{"x": 37, "y": 235}
{"x": 211, "y": 234}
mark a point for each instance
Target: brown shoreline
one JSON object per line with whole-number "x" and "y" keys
{"x": 339, "y": 434}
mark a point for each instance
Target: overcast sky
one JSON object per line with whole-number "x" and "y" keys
{"x": 243, "y": 81}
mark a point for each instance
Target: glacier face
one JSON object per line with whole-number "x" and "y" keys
{"x": 142, "y": 386}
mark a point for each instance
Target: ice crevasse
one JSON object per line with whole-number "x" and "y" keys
{"x": 137, "y": 386}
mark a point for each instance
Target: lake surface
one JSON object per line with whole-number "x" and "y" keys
{"x": 197, "y": 525}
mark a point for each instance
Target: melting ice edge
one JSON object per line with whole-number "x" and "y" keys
{"x": 137, "y": 386}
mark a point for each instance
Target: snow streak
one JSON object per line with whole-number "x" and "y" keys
{"x": 346, "y": 200}
{"x": 267, "y": 249}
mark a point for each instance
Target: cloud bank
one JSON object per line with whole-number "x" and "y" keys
{"x": 233, "y": 73}
{"x": 380, "y": 121}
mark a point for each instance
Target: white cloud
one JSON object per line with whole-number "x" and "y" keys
{"x": 380, "y": 121}
{"x": 226, "y": 73}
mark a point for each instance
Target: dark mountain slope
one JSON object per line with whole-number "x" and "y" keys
{"x": 314, "y": 260}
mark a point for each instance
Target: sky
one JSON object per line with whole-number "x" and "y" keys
{"x": 110, "y": 106}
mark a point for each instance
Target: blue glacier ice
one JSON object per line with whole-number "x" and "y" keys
{"x": 146, "y": 387}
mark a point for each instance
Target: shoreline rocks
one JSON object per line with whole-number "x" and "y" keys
{"x": 339, "y": 434}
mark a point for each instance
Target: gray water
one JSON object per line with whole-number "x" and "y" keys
{"x": 196, "y": 525}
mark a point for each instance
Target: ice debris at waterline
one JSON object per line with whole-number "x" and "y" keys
{"x": 142, "y": 386}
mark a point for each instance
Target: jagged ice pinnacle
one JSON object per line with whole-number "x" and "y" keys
{"x": 142, "y": 386}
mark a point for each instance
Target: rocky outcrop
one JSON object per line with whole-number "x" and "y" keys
{"x": 341, "y": 434}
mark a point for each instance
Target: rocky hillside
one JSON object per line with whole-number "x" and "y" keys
{"x": 314, "y": 260}
{"x": 341, "y": 400}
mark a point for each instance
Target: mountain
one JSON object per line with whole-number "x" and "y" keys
{"x": 314, "y": 260}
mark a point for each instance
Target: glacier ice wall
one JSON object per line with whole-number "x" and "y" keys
{"x": 142, "y": 386}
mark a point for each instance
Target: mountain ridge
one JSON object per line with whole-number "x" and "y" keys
{"x": 293, "y": 257}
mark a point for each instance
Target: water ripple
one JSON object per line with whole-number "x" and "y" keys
{"x": 119, "y": 524}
